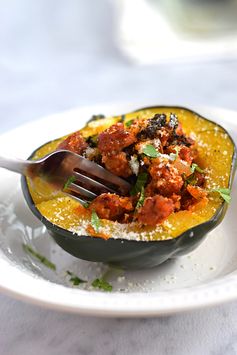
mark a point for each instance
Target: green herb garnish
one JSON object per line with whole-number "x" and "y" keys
{"x": 102, "y": 284}
{"x": 95, "y": 221}
{"x": 224, "y": 193}
{"x": 141, "y": 199}
{"x": 75, "y": 279}
{"x": 190, "y": 180}
{"x": 140, "y": 183}
{"x": 39, "y": 257}
{"x": 69, "y": 181}
{"x": 197, "y": 168}
{"x": 129, "y": 123}
{"x": 150, "y": 151}
{"x": 86, "y": 204}
{"x": 174, "y": 156}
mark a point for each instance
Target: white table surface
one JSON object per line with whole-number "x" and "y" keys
{"x": 57, "y": 55}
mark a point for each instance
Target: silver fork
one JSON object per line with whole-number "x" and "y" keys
{"x": 68, "y": 171}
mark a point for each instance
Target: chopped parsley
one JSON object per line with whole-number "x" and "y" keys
{"x": 150, "y": 151}
{"x": 95, "y": 221}
{"x": 69, "y": 181}
{"x": 224, "y": 193}
{"x": 75, "y": 279}
{"x": 190, "y": 180}
{"x": 129, "y": 123}
{"x": 39, "y": 257}
{"x": 85, "y": 204}
{"x": 141, "y": 199}
{"x": 102, "y": 284}
{"x": 140, "y": 183}
{"x": 197, "y": 168}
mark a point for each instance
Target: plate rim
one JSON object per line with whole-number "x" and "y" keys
{"x": 121, "y": 311}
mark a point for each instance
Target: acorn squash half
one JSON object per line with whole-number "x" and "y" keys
{"x": 130, "y": 246}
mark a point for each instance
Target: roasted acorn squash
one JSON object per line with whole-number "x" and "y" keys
{"x": 179, "y": 234}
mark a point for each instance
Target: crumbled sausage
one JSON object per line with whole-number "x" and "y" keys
{"x": 194, "y": 198}
{"x": 199, "y": 178}
{"x": 196, "y": 192}
{"x": 176, "y": 200}
{"x": 166, "y": 179}
{"x": 155, "y": 210}
{"x": 117, "y": 164}
{"x": 114, "y": 139}
{"x": 75, "y": 143}
{"x": 186, "y": 154}
{"x": 111, "y": 206}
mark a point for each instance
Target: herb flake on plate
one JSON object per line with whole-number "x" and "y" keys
{"x": 39, "y": 257}
{"x": 102, "y": 284}
{"x": 74, "y": 279}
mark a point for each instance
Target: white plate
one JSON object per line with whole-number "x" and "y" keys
{"x": 205, "y": 277}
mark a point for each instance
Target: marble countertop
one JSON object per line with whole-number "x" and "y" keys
{"x": 55, "y": 56}
{"x": 26, "y": 329}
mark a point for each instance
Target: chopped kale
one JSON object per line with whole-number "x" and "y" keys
{"x": 92, "y": 141}
{"x": 154, "y": 124}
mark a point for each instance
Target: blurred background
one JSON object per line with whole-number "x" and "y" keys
{"x": 56, "y": 55}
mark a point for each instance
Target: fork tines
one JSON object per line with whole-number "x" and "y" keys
{"x": 92, "y": 180}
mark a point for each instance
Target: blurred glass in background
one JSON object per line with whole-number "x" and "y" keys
{"x": 201, "y": 17}
{"x": 154, "y": 31}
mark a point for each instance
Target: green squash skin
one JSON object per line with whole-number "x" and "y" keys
{"x": 130, "y": 254}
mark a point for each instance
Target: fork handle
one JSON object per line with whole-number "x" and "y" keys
{"x": 15, "y": 165}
